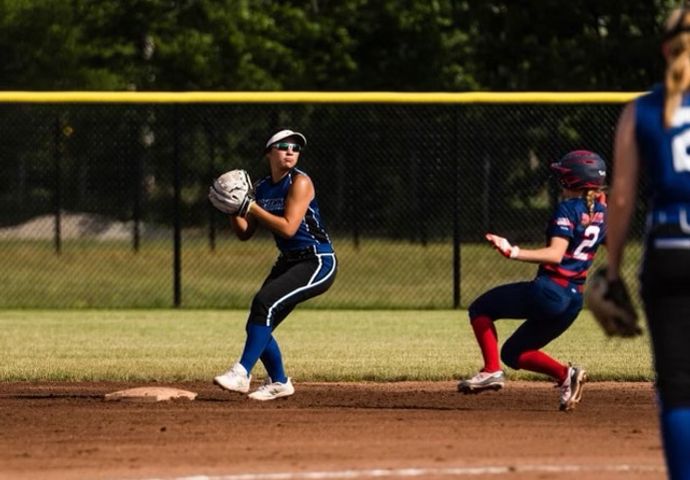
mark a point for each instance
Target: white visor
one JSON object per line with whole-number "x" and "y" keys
{"x": 283, "y": 134}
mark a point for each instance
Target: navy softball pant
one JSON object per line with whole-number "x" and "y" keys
{"x": 665, "y": 287}
{"x": 548, "y": 309}
{"x": 289, "y": 283}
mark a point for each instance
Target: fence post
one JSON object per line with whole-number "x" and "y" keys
{"x": 57, "y": 194}
{"x": 177, "y": 236}
{"x": 486, "y": 195}
{"x": 456, "y": 215}
{"x": 138, "y": 185}
{"x": 210, "y": 141}
{"x": 353, "y": 210}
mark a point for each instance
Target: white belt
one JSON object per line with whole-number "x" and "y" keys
{"x": 659, "y": 218}
{"x": 672, "y": 243}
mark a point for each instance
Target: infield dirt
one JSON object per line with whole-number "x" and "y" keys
{"x": 60, "y": 431}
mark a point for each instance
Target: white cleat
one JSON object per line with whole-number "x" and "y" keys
{"x": 571, "y": 390}
{"x": 272, "y": 390}
{"x": 236, "y": 379}
{"x": 483, "y": 381}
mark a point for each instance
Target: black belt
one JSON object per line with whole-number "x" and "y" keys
{"x": 294, "y": 255}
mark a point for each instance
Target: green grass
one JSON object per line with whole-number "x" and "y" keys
{"x": 381, "y": 274}
{"x": 318, "y": 345}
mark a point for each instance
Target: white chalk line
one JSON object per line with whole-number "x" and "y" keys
{"x": 428, "y": 472}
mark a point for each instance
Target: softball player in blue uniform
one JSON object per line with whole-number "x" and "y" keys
{"x": 306, "y": 267}
{"x": 551, "y": 302}
{"x": 653, "y": 135}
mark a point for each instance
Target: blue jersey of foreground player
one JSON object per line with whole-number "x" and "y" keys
{"x": 572, "y": 221}
{"x": 666, "y": 157}
{"x": 311, "y": 233}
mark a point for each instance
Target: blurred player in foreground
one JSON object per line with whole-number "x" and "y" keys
{"x": 551, "y": 302}
{"x": 653, "y": 134}
{"x": 285, "y": 203}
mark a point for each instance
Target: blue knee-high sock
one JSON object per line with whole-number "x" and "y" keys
{"x": 675, "y": 430}
{"x": 258, "y": 337}
{"x": 273, "y": 361}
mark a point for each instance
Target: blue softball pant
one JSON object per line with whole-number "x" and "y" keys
{"x": 548, "y": 309}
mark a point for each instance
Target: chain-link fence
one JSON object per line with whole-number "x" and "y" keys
{"x": 104, "y": 204}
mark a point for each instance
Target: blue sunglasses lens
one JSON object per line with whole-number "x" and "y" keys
{"x": 284, "y": 146}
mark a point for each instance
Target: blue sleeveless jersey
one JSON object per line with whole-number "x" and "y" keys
{"x": 311, "y": 233}
{"x": 665, "y": 154}
{"x": 584, "y": 234}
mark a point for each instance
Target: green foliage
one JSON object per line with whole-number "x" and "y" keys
{"x": 415, "y": 45}
{"x": 38, "y": 41}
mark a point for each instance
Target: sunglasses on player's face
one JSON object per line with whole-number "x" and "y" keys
{"x": 284, "y": 146}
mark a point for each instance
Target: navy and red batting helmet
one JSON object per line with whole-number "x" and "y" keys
{"x": 581, "y": 170}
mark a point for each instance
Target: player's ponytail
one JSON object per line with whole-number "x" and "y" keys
{"x": 592, "y": 197}
{"x": 677, "y": 52}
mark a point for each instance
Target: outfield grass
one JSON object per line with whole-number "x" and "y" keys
{"x": 381, "y": 274}
{"x": 318, "y": 345}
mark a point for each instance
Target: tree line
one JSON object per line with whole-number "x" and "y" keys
{"x": 322, "y": 45}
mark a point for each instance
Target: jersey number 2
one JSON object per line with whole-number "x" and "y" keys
{"x": 591, "y": 237}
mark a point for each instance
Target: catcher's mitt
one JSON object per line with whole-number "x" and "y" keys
{"x": 232, "y": 193}
{"x": 611, "y": 306}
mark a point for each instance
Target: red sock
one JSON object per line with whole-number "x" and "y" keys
{"x": 536, "y": 361}
{"x": 487, "y": 338}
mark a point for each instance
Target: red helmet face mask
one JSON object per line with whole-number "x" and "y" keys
{"x": 581, "y": 170}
